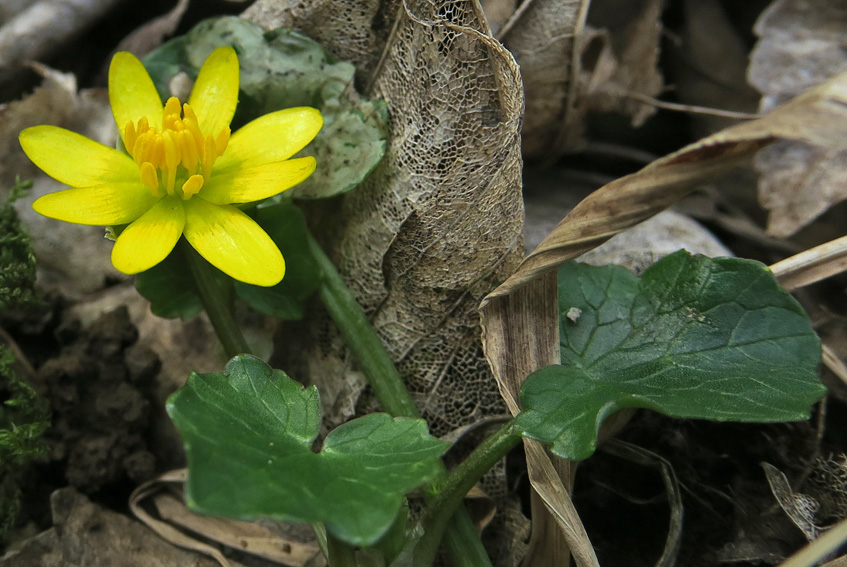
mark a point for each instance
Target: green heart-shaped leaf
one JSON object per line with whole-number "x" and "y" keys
{"x": 694, "y": 337}
{"x": 248, "y": 434}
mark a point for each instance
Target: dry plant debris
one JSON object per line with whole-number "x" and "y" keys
{"x": 800, "y": 46}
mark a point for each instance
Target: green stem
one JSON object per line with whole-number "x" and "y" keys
{"x": 215, "y": 303}
{"x": 340, "y": 554}
{"x": 362, "y": 339}
{"x": 464, "y": 544}
{"x": 444, "y": 502}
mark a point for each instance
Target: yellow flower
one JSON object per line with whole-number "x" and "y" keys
{"x": 182, "y": 174}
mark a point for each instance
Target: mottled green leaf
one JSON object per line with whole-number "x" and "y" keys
{"x": 248, "y": 434}
{"x": 282, "y": 69}
{"x": 694, "y": 337}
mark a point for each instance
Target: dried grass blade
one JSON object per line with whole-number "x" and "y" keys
{"x": 812, "y": 265}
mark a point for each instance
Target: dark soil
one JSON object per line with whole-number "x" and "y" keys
{"x": 729, "y": 514}
{"x": 100, "y": 390}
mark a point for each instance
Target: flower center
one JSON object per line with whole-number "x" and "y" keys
{"x": 176, "y": 160}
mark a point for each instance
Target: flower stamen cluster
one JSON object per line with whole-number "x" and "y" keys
{"x": 177, "y": 155}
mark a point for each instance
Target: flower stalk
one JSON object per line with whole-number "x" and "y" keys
{"x": 447, "y": 499}
{"x": 362, "y": 339}
{"x": 216, "y": 303}
{"x": 462, "y": 541}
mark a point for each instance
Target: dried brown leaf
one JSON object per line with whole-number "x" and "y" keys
{"x": 568, "y": 69}
{"x": 812, "y": 265}
{"x": 819, "y": 549}
{"x": 801, "y": 45}
{"x": 544, "y": 36}
{"x": 166, "y": 531}
{"x": 711, "y": 64}
{"x": 520, "y": 318}
{"x": 248, "y": 537}
{"x": 521, "y": 331}
{"x": 840, "y": 562}
{"x": 151, "y": 34}
{"x": 633, "y": 30}
{"x": 816, "y": 117}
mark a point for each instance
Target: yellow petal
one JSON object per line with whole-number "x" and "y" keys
{"x": 150, "y": 239}
{"x": 257, "y": 183}
{"x": 233, "y": 243}
{"x": 74, "y": 159}
{"x": 273, "y": 137}
{"x": 215, "y": 92}
{"x": 114, "y": 203}
{"x": 132, "y": 93}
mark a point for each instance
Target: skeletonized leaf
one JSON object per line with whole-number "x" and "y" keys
{"x": 415, "y": 241}
{"x": 248, "y": 433}
{"x": 437, "y": 224}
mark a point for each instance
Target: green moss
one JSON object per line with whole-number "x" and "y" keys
{"x": 23, "y": 419}
{"x": 17, "y": 262}
{"x": 24, "y": 415}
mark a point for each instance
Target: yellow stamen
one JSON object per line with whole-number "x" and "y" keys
{"x": 191, "y": 124}
{"x": 190, "y": 155}
{"x": 157, "y": 149}
{"x": 129, "y": 136}
{"x": 178, "y": 154}
{"x": 170, "y": 114}
{"x": 171, "y": 151}
{"x": 139, "y": 149}
{"x": 192, "y": 186}
{"x": 149, "y": 178}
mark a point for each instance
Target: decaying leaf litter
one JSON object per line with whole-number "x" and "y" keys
{"x": 437, "y": 226}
